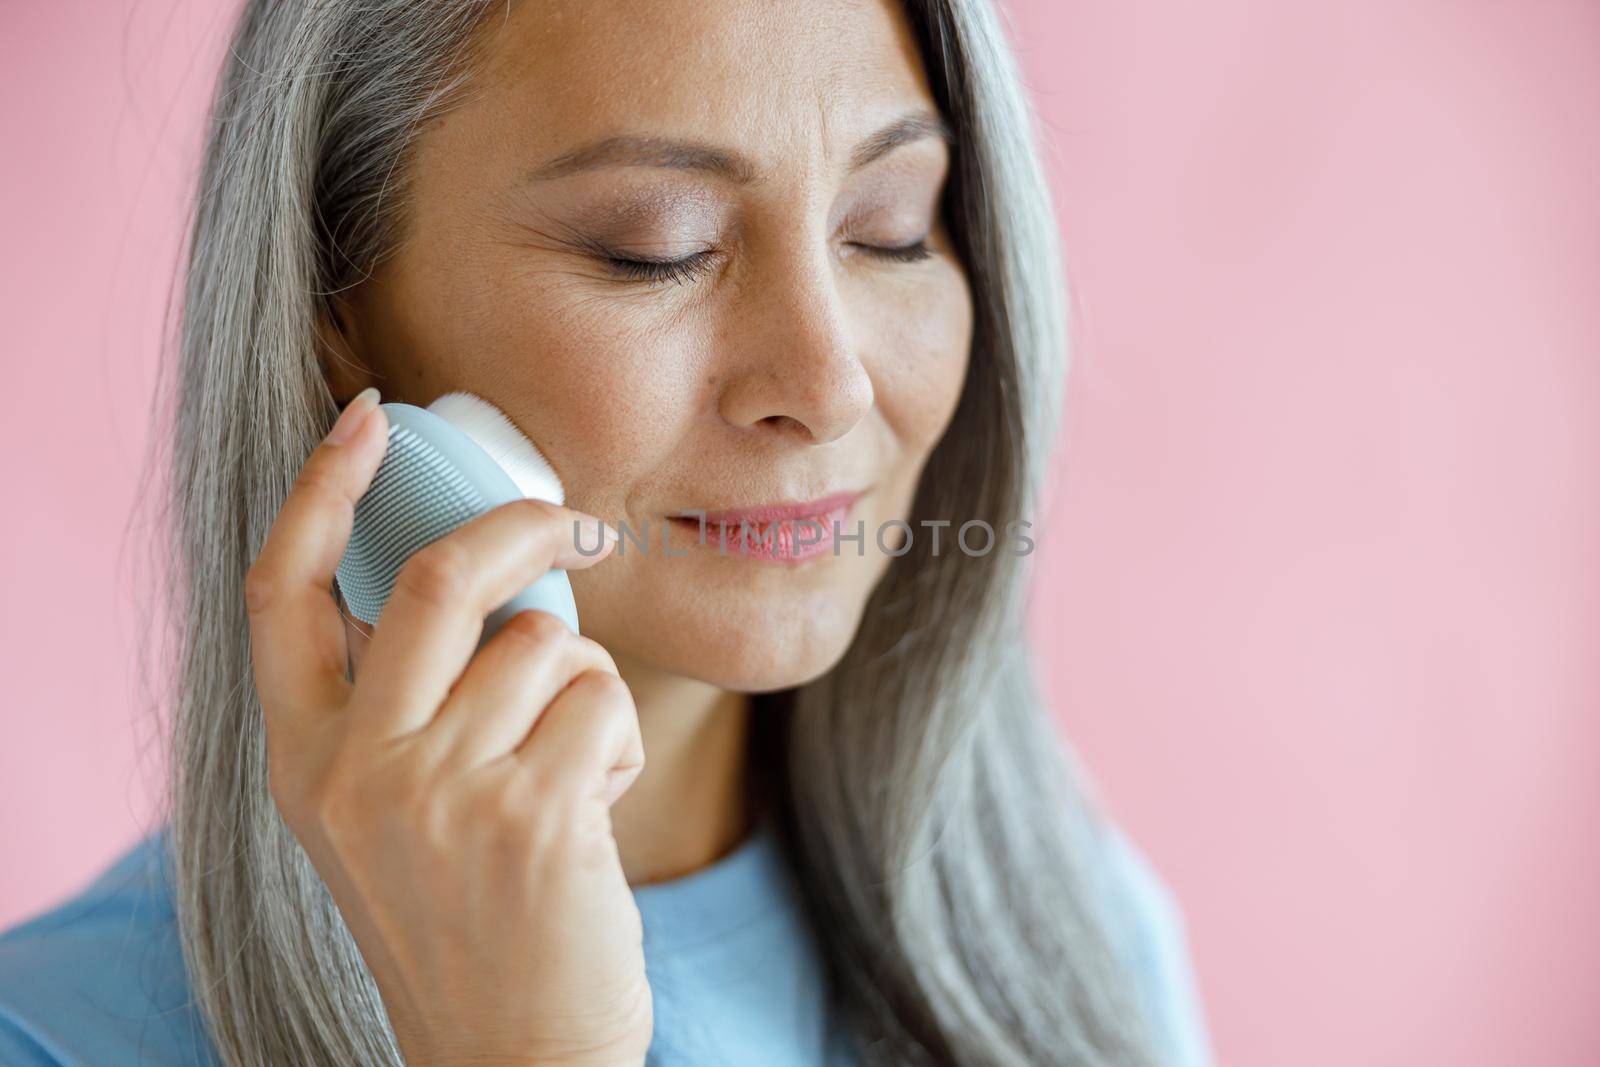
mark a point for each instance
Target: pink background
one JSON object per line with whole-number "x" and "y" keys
{"x": 1320, "y": 583}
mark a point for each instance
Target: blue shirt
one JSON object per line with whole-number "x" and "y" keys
{"x": 735, "y": 974}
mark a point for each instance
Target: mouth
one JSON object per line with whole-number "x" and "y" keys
{"x": 784, "y": 532}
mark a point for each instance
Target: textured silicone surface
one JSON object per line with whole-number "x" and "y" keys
{"x": 433, "y": 478}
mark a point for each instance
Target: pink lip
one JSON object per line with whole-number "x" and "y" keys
{"x": 777, "y": 512}
{"x": 791, "y": 540}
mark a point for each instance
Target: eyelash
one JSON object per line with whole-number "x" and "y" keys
{"x": 911, "y": 253}
{"x": 661, "y": 270}
{"x": 692, "y": 266}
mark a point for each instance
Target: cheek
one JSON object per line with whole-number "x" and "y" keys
{"x": 600, "y": 389}
{"x": 919, "y": 351}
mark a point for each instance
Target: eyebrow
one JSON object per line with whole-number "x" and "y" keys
{"x": 904, "y": 130}
{"x": 644, "y": 150}
{"x": 641, "y": 150}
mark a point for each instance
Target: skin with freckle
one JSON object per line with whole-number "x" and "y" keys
{"x": 794, "y": 360}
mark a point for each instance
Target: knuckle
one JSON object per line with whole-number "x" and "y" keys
{"x": 440, "y": 574}
{"x": 319, "y": 483}
{"x": 605, "y": 686}
{"x": 538, "y": 628}
{"x": 323, "y": 488}
{"x": 594, "y": 652}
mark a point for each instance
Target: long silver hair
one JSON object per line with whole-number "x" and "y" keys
{"x": 941, "y": 831}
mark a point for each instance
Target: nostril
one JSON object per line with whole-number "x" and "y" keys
{"x": 786, "y": 424}
{"x": 821, "y": 401}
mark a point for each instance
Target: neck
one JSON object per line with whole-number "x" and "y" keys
{"x": 688, "y": 807}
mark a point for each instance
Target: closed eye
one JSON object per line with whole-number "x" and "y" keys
{"x": 682, "y": 270}
{"x": 690, "y": 267}
{"x": 910, "y": 253}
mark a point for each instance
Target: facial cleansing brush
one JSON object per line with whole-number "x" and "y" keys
{"x": 446, "y": 464}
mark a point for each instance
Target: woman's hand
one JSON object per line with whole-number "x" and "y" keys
{"x": 456, "y": 805}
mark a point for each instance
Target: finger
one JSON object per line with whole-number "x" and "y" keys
{"x": 505, "y": 688}
{"x": 433, "y": 619}
{"x": 586, "y": 743}
{"x": 297, "y": 640}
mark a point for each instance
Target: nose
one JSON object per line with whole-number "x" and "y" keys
{"x": 794, "y": 370}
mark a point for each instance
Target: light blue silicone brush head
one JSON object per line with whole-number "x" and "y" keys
{"x": 446, "y": 464}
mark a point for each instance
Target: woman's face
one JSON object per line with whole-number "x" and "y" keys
{"x": 772, "y": 153}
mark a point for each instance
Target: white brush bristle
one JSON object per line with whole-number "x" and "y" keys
{"x": 506, "y": 444}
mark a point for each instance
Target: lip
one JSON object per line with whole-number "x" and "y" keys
{"x": 780, "y": 543}
{"x": 766, "y": 513}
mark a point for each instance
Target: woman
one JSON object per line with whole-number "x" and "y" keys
{"x": 710, "y": 257}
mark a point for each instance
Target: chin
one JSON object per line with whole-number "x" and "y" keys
{"x": 748, "y": 648}
{"x": 784, "y": 657}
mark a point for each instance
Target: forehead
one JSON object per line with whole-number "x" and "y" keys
{"x": 768, "y": 77}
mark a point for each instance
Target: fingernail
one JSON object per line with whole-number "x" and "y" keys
{"x": 353, "y": 416}
{"x": 590, "y": 536}
{"x": 603, "y": 533}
